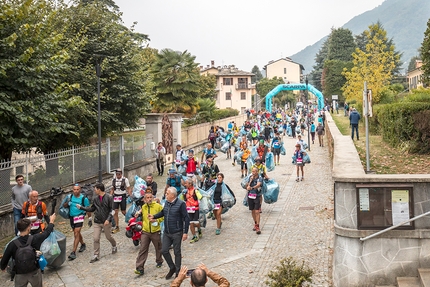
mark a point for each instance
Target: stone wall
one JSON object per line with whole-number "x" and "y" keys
{"x": 381, "y": 259}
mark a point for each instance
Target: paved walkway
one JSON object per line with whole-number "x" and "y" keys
{"x": 300, "y": 225}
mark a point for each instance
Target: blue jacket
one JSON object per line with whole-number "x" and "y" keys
{"x": 354, "y": 117}
{"x": 176, "y": 217}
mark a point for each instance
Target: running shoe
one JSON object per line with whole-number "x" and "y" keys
{"x": 218, "y": 232}
{"x": 257, "y": 229}
{"x": 115, "y": 230}
{"x": 200, "y": 233}
{"x": 195, "y": 239}
{"x": 95, "y": 259}
{"x": 158, "y": 265}
{"x": 72, "y": 255}
{"x": 83, "y": 247}
{"x": 114, "y": 249}
{"x": 139, "y": 272}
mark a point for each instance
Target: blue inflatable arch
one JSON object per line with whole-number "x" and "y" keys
{"x": 292, "y": 87}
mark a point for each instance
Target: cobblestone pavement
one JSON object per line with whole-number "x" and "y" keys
{"x": 299, "y": 224}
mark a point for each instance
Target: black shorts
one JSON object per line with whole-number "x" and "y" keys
{"x": 243, "y": 165}
{"x": 122, "y": 204}
{"x": 276, "y": 151}
{"x": 194, "y": 217}
{"x": 75, "y": 225}
{"x": 254, "y": 204}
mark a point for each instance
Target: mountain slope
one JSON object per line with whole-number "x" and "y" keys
{"x": 404, "y": 21}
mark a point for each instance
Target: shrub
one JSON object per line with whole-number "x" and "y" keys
{"x": 289, "y": 274}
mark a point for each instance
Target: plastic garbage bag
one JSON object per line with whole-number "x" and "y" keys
{"x": 244, "y": 182}
{"x": 289, "y": 131}
{"x": 139, "y": 187}
{"x": 181, "y": 169}
{"x": 245, "y": 200}
{"x": 249, "y": 164}
{"x": 226, "y": 197}
{"x": 224, "y": 147}
{"x": 131, "y": 211}
{"x": 270, "y": 161}
{"x": 270, "y": 191}
{"x": 238, "y": 156}
{"x": 50, "y": 248}
{"x": 202, "y": 219}
{"x": 283, "y": 151}
{"x": 254, "y": 153}
{"x": 306, "y": 158}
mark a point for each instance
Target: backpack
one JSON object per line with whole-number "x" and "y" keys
{"x": 177, "y": 181}
{"x": 212, "y": 135}
{"x": 39, "y": 210}
{"x": 65, "y": 211}
{"x": 25, "y": 257}
{"x": 122, "y": 187}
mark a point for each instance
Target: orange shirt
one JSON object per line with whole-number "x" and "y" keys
{"x": 32, "y": 211}
{"x": 190, "y": 200}
{"x": 246, "y": 154}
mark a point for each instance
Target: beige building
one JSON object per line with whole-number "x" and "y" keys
{"x": 285, "y": 68}
{"x": 233, "y": 86}
{"x": 415, "y": 76}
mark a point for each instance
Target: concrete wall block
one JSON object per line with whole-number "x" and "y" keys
{"x": 372, "y": 246}
{"x": 341, "y": 273}
{"x": 408, "y": 254}
{"x": 390, "y": 248}
{"x": 409, "y": 268}
{"x": 355, "y": 247}
{"x": 374, "y": 262}
{"x": 395, "y": 268}
{"x": 355, "y": 263}
{"x": 409, "y": 243}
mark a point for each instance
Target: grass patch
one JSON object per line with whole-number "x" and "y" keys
{"x": 384, "y": 159}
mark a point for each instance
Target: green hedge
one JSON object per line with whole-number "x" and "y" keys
{"x": 405, "y": 124}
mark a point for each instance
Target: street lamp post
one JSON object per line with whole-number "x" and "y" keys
{"x": 98, "y": 73}
{"x": 308, "y": 111}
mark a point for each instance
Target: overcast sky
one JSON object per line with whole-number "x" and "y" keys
{"x": 239, "y": 32}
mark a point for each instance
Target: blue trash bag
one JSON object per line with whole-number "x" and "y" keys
{"x": 225, "y": 147}
{"x": 280, "y": 130}
{"x": 306, "y": 158}
{"x": 293, "y": 159}
{"x": 202, "y": 219}
{"x": 270, "y": 161}
{"x": 139, "y": 187}
{"x": 254, "y": 153}
{"x": 305, "y": 145}
{"x": 249, "y": 164}
{"x": 50, "y": 248}
{"x": 283, "y": 151}
{"x": 245, "y": 200}
{"x": 238, "y": 156}
{"x": 244, "y": 182}
{"x": 270, "y": 191}
{"x": 206, "y": 203}
{"x": 226, "y": 197}
{"x": 289, "y": 131}
{"x": 181, "y": 169}
{"x": 131, "y": 212}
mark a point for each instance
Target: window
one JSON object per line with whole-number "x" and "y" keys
{"x": 228, "y": 96}
{"x": 242, "y": 95}
{"x": 380, "y": 206}
{"x": 227, "y": 81}
{"x": 285, "y": 70}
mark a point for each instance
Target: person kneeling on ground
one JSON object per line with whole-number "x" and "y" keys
{"x": 199, "y": 277}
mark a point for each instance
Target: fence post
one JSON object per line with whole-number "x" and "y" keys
{"x": 108, "y": 169}
{"x": 73, "y": 164}
{"x": 121, "y": 152}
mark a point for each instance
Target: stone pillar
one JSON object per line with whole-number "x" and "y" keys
{"x": 176, "y": 119}
{"x": 153, "y": 130}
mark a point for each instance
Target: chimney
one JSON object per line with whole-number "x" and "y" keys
{"x": 207, "y": 66}
{"x": 212, "y": 63}
{"x": 201, "y": 67}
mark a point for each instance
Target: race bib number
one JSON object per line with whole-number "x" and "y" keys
{"x": 191, "y": 209}
{"x": 178, "y": 161}
{"x": 117, "y": 198}
{"x": 78, "y": 219}
{"x": 217, "y": 206}
{"x": 299, "y": 160}
{"x": 35, "y": 225}
{"x": 252, "y": 196}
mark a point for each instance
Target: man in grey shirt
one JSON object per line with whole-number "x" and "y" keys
{"x": 20, "y": 194}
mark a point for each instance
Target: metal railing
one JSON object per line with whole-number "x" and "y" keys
{"x": 394, "y": 226}
{"x": 67, "y": 166}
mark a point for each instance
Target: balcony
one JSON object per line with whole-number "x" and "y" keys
{"x": 243, "y": 86}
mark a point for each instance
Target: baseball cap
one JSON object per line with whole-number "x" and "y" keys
{"x": 118, "y": 170}
{"x": 172, "y": 170}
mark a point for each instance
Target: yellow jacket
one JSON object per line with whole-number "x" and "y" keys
{"x": 152, "y": 208}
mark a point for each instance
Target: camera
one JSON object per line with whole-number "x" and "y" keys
{"x": 56, "y": 191}
{"x": 189, "y": 271}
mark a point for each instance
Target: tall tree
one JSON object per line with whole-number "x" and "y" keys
{"x": 257, "y": 74}
{"x": 315, "y": 76}
{"x": 374, "y": 65}
{"x": 176, "y": 82}
{"x": 425, "y": 55}
{"x": 34, "y": 96}
{"x": 339, "y": 56}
